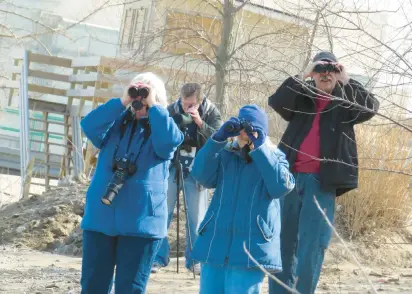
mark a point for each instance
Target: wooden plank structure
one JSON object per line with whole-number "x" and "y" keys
{"x": 68, "y": 88}
{"x": 34, "y": 84}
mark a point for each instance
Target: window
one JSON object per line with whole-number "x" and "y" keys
{"x": 194, "y": 35}
{"x": 133, "y": 29}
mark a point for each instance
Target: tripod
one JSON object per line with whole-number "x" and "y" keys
{"x": 180, "y": 184}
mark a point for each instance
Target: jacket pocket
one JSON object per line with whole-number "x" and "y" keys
{"x": 157, "y": 203}
{"x": 204, "y": 223}
{"x": 267, "y": 233}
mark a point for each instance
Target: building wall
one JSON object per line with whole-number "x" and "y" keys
{"x": 183, "y": 32}
{"x": 80, "y": 40}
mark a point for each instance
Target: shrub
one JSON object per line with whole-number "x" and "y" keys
{"x": 382, "y": 201}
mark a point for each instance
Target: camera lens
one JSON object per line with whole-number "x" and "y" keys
{"x": 137, "y": 105}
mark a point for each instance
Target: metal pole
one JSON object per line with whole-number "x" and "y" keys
{"x": 77, "y": 152}
{"x": 24, "y": 124}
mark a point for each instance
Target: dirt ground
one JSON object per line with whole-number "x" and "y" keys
{"x": 35, "y": 272}
{"x": 40, "y": 252}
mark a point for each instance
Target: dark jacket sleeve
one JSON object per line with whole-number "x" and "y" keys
{"x": 358, "y": 95}
{"x": 283, "y": 101}
{"x": 171, "y": 110}
{"x": 212, "y": 123}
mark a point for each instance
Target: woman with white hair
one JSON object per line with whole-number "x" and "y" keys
{"x": 126, "y": 209}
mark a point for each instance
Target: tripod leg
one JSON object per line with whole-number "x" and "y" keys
{"x": 178, "y": 216}
{"x": 187, "y": 221}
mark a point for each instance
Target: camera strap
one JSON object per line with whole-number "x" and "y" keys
{"x": 127, "y": 119}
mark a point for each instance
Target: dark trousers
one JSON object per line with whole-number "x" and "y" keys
{"x": 305, "y": 235}
{"x": 132, "y": 256}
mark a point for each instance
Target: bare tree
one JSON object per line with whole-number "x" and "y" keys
{"x": 228, "y": 45}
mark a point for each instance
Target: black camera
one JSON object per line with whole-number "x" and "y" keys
{"x": 122, "y": 168}
{"x": 244, "y": 125}
{"x": 326, "y": 67}
{"x": 134, "y": 93}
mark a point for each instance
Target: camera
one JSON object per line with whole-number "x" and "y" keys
{"x": 326, "y": 67}
{"x": 122, "y": 168}
{"x": 244, "y": 125}
{"x": 134, "y": 93}
{"x": 182, "y": 119}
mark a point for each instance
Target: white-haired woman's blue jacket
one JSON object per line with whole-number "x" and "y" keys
{"x": 140, "y": 208}
{"x": 245, "y": 207}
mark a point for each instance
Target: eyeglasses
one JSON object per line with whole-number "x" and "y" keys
{"x": 326, "y": 67}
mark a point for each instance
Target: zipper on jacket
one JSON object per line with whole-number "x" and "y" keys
{"x": 238, "y": 165}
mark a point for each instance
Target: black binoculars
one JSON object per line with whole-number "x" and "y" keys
{"x": 134, "y": 93}
{"x": 244, "y": 125}
{"x": 326, "y": 67}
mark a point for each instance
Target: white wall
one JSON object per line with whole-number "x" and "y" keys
{"x": 106, "y": 15}
{"x": 80, "y": 40}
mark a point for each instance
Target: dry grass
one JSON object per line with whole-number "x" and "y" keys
{"x": 383, "y": 200}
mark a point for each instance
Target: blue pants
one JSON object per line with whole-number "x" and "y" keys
{"x": 305, "y": 234}
{"x": 216, "y": 279}
{"x": 133, "y": 257}
{"x": 196, "y": 201}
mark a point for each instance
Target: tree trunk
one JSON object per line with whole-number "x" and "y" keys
{"x": 223, "y": 56}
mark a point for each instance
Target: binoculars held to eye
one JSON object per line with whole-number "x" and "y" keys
{"x": 134, "y": 93}
{"x": 326, "y": 67}
{"x": 244, "y": 125}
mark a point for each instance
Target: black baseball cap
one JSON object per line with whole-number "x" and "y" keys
{"x": 325, "y": 56}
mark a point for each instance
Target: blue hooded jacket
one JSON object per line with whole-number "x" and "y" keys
{"x": 140, "y": 208}
{"x": 245, "y": 206}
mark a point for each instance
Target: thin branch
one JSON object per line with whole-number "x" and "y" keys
{"x": 347, "y": 164}
{"x": 313, "y": 90}
{"x": 266, "y": 272}
{"x": 242, "y": 5}
{"x": 215, "y": 7}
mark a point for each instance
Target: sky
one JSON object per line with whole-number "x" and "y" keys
{"x": 79, "y": 9}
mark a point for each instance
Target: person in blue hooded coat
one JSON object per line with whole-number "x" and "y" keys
{"x": 128, "y": 232}
{"x": 248, "y": 175}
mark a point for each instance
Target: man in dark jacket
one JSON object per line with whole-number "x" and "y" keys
{"x": 198, "y": 118}
{"x": 320, "y": 145}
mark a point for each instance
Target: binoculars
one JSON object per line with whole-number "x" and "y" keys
{"x": 244, "y": 125}
{"x": 326, "y": 67}
{"x": 134, "y": 93}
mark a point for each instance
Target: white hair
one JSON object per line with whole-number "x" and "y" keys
{"x": 343, "y": 76}
{"x": 156, "y": 83}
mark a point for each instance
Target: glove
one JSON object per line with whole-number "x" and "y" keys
{"x": 224, "y": 132}
{"x": 261, "y": 138}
